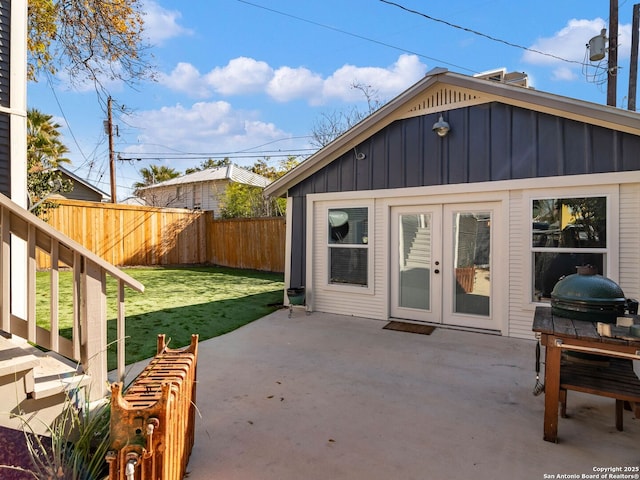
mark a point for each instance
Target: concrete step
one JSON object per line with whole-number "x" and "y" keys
{"x": 50, "y": 373}
{"x": 14, "y": 360}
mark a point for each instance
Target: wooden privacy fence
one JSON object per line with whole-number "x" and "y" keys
{"x": 127, "y": 235}
{"x": 254, "y": 243}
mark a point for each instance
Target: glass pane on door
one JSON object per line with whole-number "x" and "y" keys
{"x": 414, "y": 258}
{"x": 471, "y": 263}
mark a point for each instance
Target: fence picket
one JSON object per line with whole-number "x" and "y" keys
{"x": 128, "y": 235}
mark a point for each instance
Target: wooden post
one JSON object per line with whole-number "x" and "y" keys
{"x": 112, "y": 164}
{"x": 612, "y": 70}
{"x": 94, "y": 329}
{"x": 551, "y": 388}
{"x": 633, "y": 65}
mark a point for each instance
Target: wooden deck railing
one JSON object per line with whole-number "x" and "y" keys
{"x": 23, "y": 235}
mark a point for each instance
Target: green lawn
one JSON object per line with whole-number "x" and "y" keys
{"x": 209, "y": 301}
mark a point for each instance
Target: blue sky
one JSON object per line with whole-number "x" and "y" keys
{"x": 250, "y": 79}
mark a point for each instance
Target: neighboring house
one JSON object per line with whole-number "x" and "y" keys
{"x": 199, "y": 190}
{"x": 472, "y": 228}
{"x": 82, "y": 190}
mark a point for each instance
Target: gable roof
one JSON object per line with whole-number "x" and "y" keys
{"x": 441, "y": 90}
{"x": 105, "y": 197}
{"x": 229, "y": 172}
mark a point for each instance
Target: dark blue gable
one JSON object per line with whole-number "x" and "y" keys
{"x": 488, "y": 142}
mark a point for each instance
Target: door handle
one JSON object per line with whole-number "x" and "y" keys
{"x": 436, "y": 270}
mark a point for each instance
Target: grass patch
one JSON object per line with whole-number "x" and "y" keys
{"x": 177, "y": 301}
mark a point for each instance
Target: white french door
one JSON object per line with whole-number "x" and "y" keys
{"x": 442, "y": 260}
{"x": 416, "y": 256}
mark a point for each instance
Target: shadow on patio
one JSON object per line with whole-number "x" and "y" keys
{"x": 326, "y": 396}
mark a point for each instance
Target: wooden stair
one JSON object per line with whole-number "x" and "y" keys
{"x": 34, "y": 385}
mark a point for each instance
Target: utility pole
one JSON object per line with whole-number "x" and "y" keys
{"x": 112, "y": 163}
{"x": 633, "y": 64}
{"x": 612, "y": 67}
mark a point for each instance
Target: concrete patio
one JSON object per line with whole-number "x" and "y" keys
{"x": 337, "y": 397}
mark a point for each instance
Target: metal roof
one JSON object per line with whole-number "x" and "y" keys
{"x": 230, "y": 172}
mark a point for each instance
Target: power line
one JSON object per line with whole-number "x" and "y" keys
{"x": 246, "y": 153}
{"x": 484, "y": 35}
{"x": 124, "y": 157}
{"x": 55, "y": 96}
{"x": 355, "y": 35}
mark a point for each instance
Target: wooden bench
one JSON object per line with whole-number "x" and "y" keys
{"x": 614, "y": 379}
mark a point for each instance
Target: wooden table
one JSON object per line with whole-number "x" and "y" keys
{"x": 560, "y": 333}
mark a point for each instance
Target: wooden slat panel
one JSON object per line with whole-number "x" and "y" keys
{"x": 127, "y": 235}
{"x": 563, "y": 326}
{"x": 616, "y": 380}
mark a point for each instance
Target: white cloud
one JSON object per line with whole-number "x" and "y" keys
{"x": 386, "y": 82}
{"x": 202, "y": 127}
{"x": 245, "y": 75}
{"x": 161, "y": 24}
{"x": 293, "y": 83}
{"x": 186, "y": 78}
{"x": 570, "y": 43}
{"x": 563, "y": 73}
{"x": 241, "y": 75}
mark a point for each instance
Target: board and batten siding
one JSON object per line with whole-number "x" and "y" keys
{"x": 487, "y": 143}
{"x": 5, "y": 154}
{"x": 5, "y": 119}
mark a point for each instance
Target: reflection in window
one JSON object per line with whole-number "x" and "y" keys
{"x": 566, "y": 233}
{"x": 472, "y": 253}
{"x": 348, "y": 232}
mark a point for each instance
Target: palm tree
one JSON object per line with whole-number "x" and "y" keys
{"x": 155, "y": 174}
{"x": 45, "y": 152}
{"x": 44, "y": 147}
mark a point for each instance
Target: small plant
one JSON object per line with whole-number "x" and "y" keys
{"x": 78, "y": 442}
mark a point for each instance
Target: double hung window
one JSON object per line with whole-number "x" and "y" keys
{"x": 348, "y": 243}
{"x": 566, "y": 233}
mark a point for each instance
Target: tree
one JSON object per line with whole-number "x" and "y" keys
{"x": 240, "y": 200}
{"x": 155, "y": 174}
{"x": 333, "y": 124}
{"x": 45, "y": 152}
{"x": 207, "y": 164}
{"x": 92, "y": 39}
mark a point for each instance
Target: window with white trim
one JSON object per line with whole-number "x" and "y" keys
{"x": 566, "y": 233}
{"x": 348, "y": 244}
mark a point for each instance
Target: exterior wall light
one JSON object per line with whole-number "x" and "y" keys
{"x": 441, "y": 127}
